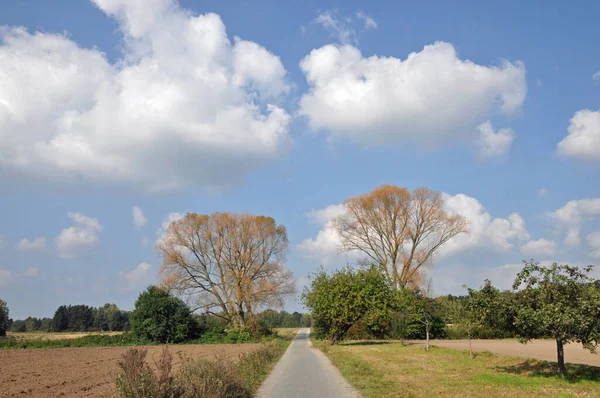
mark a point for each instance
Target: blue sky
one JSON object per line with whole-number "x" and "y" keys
{"x": 286, "y": 109}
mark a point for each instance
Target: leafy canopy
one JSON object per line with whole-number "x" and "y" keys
{"x": 339, "y": 300}
{"x": 159, "y": 316}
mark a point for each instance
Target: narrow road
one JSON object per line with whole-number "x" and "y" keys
{"x": 305, "y": 372}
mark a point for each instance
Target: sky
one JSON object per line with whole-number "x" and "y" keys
{"x": 117, "y": 116}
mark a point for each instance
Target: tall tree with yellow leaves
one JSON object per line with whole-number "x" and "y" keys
{"x": 398, "y": 230}
{"x": 230, "y": 264}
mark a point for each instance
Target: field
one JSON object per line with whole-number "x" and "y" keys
{"x": 20, "y": 336}
{"x": 544, "y": 350}
{"x": 383, "y": 369}
{"x": 84, "y": 372}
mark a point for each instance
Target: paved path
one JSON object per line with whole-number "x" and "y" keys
{"x": 305, "y": 372}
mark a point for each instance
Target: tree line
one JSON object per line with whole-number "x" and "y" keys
{"x": 73, "y": 318}
{"x": 560, "y": 302}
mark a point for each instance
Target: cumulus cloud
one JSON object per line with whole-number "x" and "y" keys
{"x": 5, "y": 277}
{"x": 572, "y": 215}
{"x": 539, "y": 248}
{"x": 495, "y": 234}
{"x": 542, "y": 192}
{"x": 593, "y": 240}
{"x": 432, "y": 97}
{"x": 181, "y": 90}
{"x": 26, "y": 245}
{"x": 81, "y": 236}
{"x": 596, "y": 76}
{"x": 139, "y": 220}
{"x": 494, "y": 143}
{"x": 583, "y": 139}
{"x": 137, "y": 276}
{"x": 31, "y": 271}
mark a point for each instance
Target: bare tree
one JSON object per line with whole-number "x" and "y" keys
{"x": 397, "y": 230}
{"x": 230, "y": 264}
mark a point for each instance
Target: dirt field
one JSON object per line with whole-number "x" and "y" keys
{"x": 83, "y": 372}
{"x": 538, "y": 349}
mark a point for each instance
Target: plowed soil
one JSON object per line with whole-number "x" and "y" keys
{"x": 85, "y": 372}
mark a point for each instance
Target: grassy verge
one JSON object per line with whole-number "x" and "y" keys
{"x": 70, "y": 340}
{"x": 221, "y": 377}
{"x": 393, "y": 370}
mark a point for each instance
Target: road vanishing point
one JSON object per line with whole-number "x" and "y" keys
{"x": 306, "y": 372}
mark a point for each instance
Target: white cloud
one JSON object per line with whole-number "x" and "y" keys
{"x": 182, "y": 89}
{"x": 494, "y": 143}
{"x": 74, "y": 240}
{"x": 541, "y": 248}
{"x": 495, "y": 234}
{"x": 593, "y": 240}
{"x": 165, "y": 224}
{"x": 26, "y": 245}
{"x": 31, "y": 271}
{"x": 583, "y": 140}
{"x": 542, "y": 192}
{"x": 139, "y": 220}
{"x": 572, "y": 215}
{"x": 137, "y": 276}
{"x": 430, "y": 97}
{"x": 5, "y": 277}
{"x": 596, "y": 76}
{"x": 368, "y": 21}
{"x": 338, "y": 28}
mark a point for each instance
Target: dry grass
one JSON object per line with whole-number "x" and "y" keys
{"x": 393, "y": 370}
{"x": 286, "y": 333}
{"x": 222, "y": 377}
{"x": 21, "y": 336}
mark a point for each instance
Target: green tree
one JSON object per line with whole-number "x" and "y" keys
{"x": 339, "y": 300}
{"x": 3, "y": 317}
{"x": 60, "y": 321}
{"x": 559, "y": 301}
{"x": 159, "y": 316}
{"x": 18, "y": 326}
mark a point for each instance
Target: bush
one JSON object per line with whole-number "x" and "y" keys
{"x": 158, "y": 316}
{"x": 3, "y": 317}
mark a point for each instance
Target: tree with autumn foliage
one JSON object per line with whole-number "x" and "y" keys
{"x": 229, "y": 264}
{"x": 398, "y": 230}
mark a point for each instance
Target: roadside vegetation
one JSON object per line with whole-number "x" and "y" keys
{"x": 218, "y": 378}
{"x": 383, "y": 369}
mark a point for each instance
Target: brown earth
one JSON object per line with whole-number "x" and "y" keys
{"x": 85, "y": 372}
{"x": 544, "y": 350}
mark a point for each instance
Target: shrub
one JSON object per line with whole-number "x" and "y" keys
{"x": 158, "y": 316}
{"x": 3, "y": 317}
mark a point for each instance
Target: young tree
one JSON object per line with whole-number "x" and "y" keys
{"x": 230, "y": 263}
{"x": 3, "y": 317}
{"x": 339, "y": 300}
{"x": 397, "y": 230}
{"x": 159, "y": 316}
{"x": 559, "y": 301}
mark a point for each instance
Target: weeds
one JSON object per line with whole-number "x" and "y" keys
{"x": 220, "y": 378}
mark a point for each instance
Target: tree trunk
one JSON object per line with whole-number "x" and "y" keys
{"x": 470, "y": 348}
{"x": 560, "y": 351}
{"x": 242, "y": 319}
{"x": 427, "y": 335}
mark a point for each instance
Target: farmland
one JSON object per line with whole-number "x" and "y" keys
{"x": 86, "y": 372}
